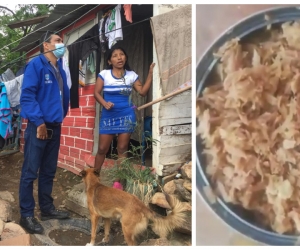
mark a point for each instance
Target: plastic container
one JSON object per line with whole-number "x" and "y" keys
{"x": 228, "y": 213}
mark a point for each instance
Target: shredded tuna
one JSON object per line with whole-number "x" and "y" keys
{"x": 249, "y": 121}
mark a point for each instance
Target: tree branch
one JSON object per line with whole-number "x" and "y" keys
{"x": 3, "y": 7}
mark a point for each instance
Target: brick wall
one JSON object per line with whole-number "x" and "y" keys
{"x": 77, "y": 137}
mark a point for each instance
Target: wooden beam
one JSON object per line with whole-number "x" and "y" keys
{"x": 27, "y": 22}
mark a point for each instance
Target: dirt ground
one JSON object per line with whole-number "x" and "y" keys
{"x": 10, "y": 171}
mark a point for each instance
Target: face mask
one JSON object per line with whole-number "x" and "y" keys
{"x": 60, "y": 50}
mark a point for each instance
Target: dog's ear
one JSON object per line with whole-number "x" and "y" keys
{"x": 97, "y": 172}
{"x": 83, "y": 173}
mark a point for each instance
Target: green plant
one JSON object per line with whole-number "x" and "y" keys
{"x": 131, "y": 167}
{"x": 137, "y": 179}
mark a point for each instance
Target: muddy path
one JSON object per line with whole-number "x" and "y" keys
{"x": 10, "y": 171}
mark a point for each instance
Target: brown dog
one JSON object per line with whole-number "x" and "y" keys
{"x": 134, "y": 216}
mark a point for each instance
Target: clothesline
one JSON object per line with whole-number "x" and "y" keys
{"x": 46, "y": 26}
{"x": 20, "y": 60}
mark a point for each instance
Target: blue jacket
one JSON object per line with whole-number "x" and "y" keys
{"x": 40, "y": 96}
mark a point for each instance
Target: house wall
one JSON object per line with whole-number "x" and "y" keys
{"x": 171, "y": 124}
{"x": 171, "y": 121}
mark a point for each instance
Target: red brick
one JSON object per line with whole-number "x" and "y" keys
{"x": 75, "y": 112}
{"x": 61, "y": 164}
{"x": 70, "y": 159}
{"x": 81, "y": 125}
{"x": 87, "y": 131}
{"x": 89, "y": 145}
{"x": 79, "y": 119}
{"x": 88, "y": 109}
{"x": 89, "y": 125}
{"x": 65, "y": 152}
{"x": 83, "y": 153}
{"x": 83, "y": 101}
{"x": 89, "y": 159}
{"x": 65, "y": 130}
{"x": 61, "y": 156}
{"x": 75, "y": 132}
{"x": 69, "y": 141}
{"x": 65, "y": 148}
{"x": 88, "y": 113}
{"x": 72, "y": 169}
{"x": 91, "y": 120}
{"x": 70, "y": 163}
{"x": 87, "y": 136}
{"x": 69, "y": 119}
{"x": 79, "y": 143}
{"x": 79, "y": 166}
{"x": 75, "y": 155}
{"x": 62, "y": 139}
{"x": 81, "y": 156}
{"x": 88, "y": 90}
{"x": 92, "y": 102}
{"x": 75, "y": 150}
{"x": 68, "y": 124}
{"x": 72, "y": 111}
{"x": 80, "y": 162}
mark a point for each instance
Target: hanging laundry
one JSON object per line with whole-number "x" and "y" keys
{"x": 65, "y": 63}
{"x": 80, "y": 50}
{"x": 5, "y": 113}
{"x": 127, "y": 12}
{"x": 13, "y": 90}
{"x": 103, "y": 23}
{"x": 90, "y": 63}
{"x": 82, "y": 72}
{"x": 20, "y": 71}
{"x": 115, "y": 32}
{"x": 8, "y": 75}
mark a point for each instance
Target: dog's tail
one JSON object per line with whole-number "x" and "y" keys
{"x": 163, "y": 225}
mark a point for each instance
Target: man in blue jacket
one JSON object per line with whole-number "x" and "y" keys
{"x": 44, "y": 102}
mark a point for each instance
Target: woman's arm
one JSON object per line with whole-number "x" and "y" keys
{"x": 97, "y": 94}
{"x": 143, "y": 89}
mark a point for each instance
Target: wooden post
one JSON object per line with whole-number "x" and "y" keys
{"x": 164, "y": 97}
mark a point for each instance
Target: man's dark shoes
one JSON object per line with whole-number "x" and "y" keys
{"x": 31, "y": 225}
{"x": 54, "y": 214}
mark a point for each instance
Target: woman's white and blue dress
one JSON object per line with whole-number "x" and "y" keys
{"x": 121, "y": 117}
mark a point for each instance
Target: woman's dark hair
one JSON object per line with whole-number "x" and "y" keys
{"x": 46, "y": 37}
{"x": 109, "y": 55}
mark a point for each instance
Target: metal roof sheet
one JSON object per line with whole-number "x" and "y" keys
{"x": 32, "y": 40}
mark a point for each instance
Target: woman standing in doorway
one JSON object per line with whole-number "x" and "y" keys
{"x": 118, "y": 115}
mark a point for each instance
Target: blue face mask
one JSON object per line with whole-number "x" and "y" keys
{"x": 60, "y": 50}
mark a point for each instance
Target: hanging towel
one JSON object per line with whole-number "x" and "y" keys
{"x": 13, "y": 90}
{"x": 65, "y": 63}
{"x": 115, "y": 32}
{"x": 82, "y": 72}
{"x": 127, "y": 12}
{"x": 5, "y": 114}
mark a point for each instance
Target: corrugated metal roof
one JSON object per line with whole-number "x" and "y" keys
{"x": 60, "y": 10}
